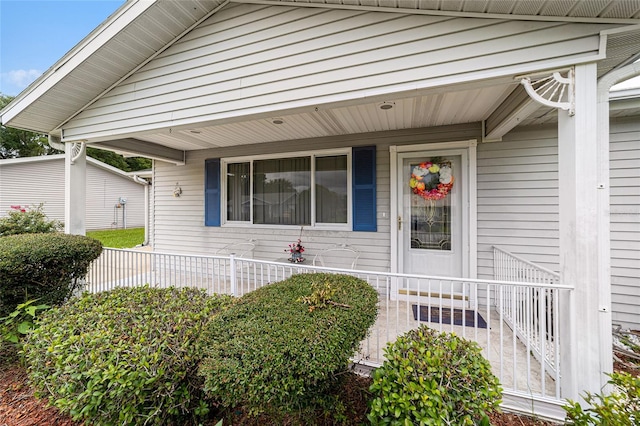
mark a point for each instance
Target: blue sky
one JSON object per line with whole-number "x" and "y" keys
{"x": 34, "y": 34}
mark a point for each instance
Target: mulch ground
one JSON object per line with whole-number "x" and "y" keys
{"x": 19, "y": 407}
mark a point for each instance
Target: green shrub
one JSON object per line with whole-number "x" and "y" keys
{"x": 431, "y": 378}
{"x": 47, "y": 267}
{"x": 277, "y": 352}
{"x": 30, "y": 220}
{"x": 21, "y": 322}
{"x": 14, "y": 328}
{"x": 128, "y": 356}
{"x": 619, "y": 408}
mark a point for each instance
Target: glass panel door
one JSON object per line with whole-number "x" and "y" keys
{"x": 431, "y": 213}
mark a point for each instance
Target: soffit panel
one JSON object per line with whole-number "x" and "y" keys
{"x": 618, "y": 9}
{"x": 553, "y": 8}
{"x": 612, "y": 9}
{"x": 622, "y": 49}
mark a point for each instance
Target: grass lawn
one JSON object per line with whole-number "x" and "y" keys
{"x": 119, "y": 238}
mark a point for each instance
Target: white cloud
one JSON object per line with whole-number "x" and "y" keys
{"x": 15, "y": 81}
{"x": 23, "y": 78}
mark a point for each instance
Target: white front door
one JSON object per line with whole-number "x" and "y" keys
{"x": 433, "y": 213}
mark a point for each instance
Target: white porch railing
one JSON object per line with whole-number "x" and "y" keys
{"x": 531, "y": 312}
{"x": 473, "y": 309}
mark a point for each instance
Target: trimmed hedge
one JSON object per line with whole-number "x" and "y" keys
{"x": 432, "y": 378}
{"x": 128, "y": 356}
{"x": 280, "y": 347}
{"x": 48, "y": 267}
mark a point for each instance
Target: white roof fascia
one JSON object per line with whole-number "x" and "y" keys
{"x": 444, "y": 13}
{"x": 41, "y": 158}
{"x": 617, "y": 95}
{"x": 11, "y": 161}
{"x": 116, "y": 23}
{"x": 111, "y": 169}
{"x": 147, "y": 173}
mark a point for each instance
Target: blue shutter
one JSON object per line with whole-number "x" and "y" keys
{"x": 364, "y": 188}
{"x": 212, "y": 192}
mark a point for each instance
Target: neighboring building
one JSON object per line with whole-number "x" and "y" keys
{"x": 31, "y": 181}
{"x": 268, "y": 120}
{"x": 625, "y": 207}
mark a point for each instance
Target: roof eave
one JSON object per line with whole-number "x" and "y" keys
{"x": 115, "y": 23}
{"x": 436, "y": 12}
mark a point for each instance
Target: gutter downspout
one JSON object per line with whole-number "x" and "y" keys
{"x": 604, "y": 210}
{"x": 56, "y": 143}
{"x": 146, "y": 184}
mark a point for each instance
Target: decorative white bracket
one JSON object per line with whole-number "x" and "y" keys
{"x": 554, "y": 91}
{"x": 77, "y": 149}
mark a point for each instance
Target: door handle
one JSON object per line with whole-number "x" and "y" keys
{"x": 399, "y": 223}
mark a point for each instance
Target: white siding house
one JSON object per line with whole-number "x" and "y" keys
{"x": 32, "y": 181}
{"x": 425, "y": 135}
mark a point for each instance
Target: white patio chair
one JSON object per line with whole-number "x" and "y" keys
{"x": 239, "y": 249}
{"x": 340, "y": 256}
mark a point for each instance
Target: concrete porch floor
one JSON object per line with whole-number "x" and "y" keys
{"x": 511, "y": 362}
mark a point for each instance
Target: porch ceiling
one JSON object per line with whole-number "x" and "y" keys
{"x": 439, "y": 108}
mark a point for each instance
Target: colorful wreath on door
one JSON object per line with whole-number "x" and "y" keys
{"x": 432, "y": 180}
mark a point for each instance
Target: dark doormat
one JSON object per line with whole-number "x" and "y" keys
{"x": 432, "y": 314}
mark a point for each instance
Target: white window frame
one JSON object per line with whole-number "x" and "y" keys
{"x": 313, "y": 155}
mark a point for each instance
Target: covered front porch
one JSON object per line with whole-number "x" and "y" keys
{"x": 513, "y": 317}
{"x": 546, "y": 341}
{"x": 194, "y": 184}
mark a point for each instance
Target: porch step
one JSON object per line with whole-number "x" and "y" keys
{"x": 406, "y": 292}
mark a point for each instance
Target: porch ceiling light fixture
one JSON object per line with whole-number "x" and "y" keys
{"x": 195, "y": 132}
{"x": 277, "y": 121}
{"x": 385, "y": 106}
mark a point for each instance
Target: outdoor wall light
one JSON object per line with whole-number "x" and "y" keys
{"x": 177, "y": 190}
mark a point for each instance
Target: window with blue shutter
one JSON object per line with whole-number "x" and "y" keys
{"x": 364, "y": 188}
{"x": 212, "y": 192}
{"x": 323, "y": 194}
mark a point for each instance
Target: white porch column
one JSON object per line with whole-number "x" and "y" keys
{"x": 75, "y": 188}
{"x": 585, "y": 318}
